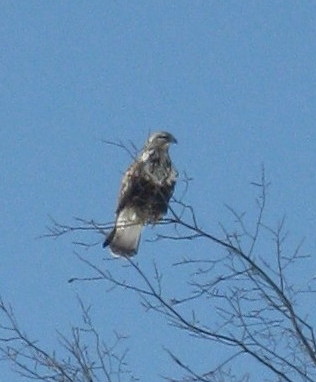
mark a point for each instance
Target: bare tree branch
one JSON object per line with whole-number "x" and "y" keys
{"x": 31, "y": 361}
{"x": 246, "y": 286}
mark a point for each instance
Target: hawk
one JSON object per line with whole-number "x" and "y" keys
{"x": 146, "y": 189}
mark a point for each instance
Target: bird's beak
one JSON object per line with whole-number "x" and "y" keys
{"x": 172, "y": 139}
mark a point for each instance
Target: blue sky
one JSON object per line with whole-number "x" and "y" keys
{"x": 234, "y": 82}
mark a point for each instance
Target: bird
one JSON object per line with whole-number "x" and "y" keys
{"x": 146, "y": 189}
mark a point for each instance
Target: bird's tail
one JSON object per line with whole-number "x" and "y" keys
{"x": 123, "y": 240}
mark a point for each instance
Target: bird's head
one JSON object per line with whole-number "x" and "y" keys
{"x": 161, "y": 139}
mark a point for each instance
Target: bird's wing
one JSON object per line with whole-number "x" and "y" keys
{"x": 129, "y": 185}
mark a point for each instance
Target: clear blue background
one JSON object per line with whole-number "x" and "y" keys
{"x": 234, "y": 81}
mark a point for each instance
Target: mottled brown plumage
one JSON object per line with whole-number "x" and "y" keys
{"x": 146, "y": 189}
